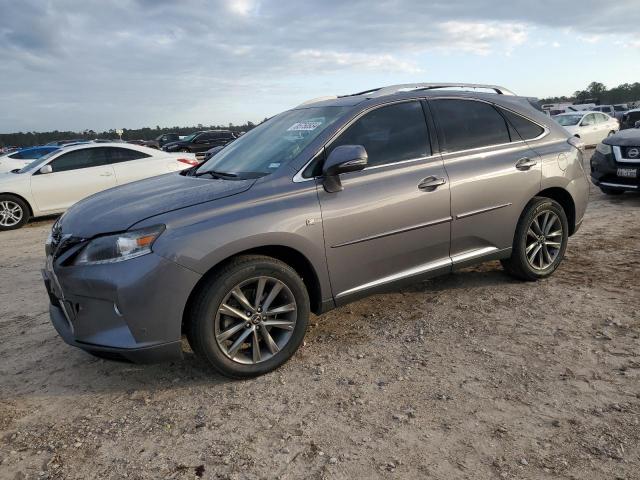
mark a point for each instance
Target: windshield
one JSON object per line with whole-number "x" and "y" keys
{"x": 188, "y": 138}
{"x": 273, "y": 143}
{"x": 568, "y": 120}
{"x": 38, "y": 162}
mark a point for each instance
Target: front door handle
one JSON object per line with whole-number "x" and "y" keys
{"x": 106, "y": 174}
{"x": 429, "y": 184}
{"x": 525, "y": 163}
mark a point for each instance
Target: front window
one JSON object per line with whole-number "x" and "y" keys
{"x": 568, "y": 120}
{"x": 273, "y": 143}
{"x": 40, "y": 161}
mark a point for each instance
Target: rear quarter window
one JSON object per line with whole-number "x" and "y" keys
{"x": 527, "y": 129}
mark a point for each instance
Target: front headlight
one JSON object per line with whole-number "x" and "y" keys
{"x": 119, "y": 247}
{"x": 603, "y": 148}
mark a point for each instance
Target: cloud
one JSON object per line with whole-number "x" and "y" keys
{"x": 481, "y": 38}
{"x": 331, "y": 60}
{"x": 95, "y": 64}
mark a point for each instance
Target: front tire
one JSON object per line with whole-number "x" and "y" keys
{"x": 14, "y": 212}
{"x": 250, "y": 317}
{"x": 185, "y": 150}
{"x": 540, "y": 240}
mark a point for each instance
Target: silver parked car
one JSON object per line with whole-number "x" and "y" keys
{"x": 318, "y": 206}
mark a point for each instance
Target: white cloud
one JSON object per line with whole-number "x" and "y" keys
{"x": 482, "y": 38}
{"x": 348, "y": 60}
{"x": 241, "y": 7}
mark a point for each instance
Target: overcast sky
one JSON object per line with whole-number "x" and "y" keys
{"x": 83, "y": 64}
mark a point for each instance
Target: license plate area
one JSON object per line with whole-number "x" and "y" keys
{"x": 628, "y": 172}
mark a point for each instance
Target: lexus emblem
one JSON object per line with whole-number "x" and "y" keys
{"x": 633, "y": 152}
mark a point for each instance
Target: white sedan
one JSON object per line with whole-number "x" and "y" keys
{"x": 590, "y": 127}
{"x": 53, "y": 183}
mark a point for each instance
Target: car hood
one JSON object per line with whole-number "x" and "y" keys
{"x": 8, "y": 164}
{"x": 624, "y": 138}
{"x": 117, "y": 209}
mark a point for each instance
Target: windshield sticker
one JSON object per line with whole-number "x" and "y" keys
{"x": 304, "y": 126}
{"x": 274, "y": 165}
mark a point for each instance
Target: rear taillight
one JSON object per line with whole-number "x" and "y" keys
{"x": 189, "y": 161}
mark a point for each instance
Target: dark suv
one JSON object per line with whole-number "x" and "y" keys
{"x": 323, "y": 204}
{"x": 161, "y": 140}
{"x": 200, "y": 141}
{"x": 615, "y": 165}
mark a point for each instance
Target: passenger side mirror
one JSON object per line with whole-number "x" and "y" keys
{"x": 343, "y": 159}
{"x": 46, "y": 169}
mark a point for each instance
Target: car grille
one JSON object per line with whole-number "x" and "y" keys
{"x": 632, "y": 153}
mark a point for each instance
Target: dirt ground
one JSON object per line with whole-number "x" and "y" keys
{"x": 473, "y": 375}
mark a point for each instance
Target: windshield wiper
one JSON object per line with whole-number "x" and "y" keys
{"x": 214, "y": 173}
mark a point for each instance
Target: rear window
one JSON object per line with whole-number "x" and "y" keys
{"x": 117, "y": 155}
{"x": 467, "y": 124}
{"x": 525, "y": 128}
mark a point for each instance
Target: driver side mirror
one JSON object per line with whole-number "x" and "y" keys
{"x": 46, "y": 169}
{"x": 343, "y": 159}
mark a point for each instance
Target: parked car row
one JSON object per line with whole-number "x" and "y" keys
{"x": 590, "y": 126}
{"x": 200, "y": 141}
{"x": 56, "y": 180}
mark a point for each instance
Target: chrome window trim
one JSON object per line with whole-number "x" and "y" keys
{"x": 299, "y": 178}
{"x": 545, "y": 129}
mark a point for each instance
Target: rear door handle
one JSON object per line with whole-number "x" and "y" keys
{"x": 106, "y": 174}
{"x": 525, "y": 163}
{"x": 429, "y": 184}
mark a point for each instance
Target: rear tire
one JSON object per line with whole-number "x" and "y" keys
{"x": 540, "y": 240}
{"x": 185, "y": 150}
{"x": 611, "y": 191}
{"x": 232, "y": 331}
{"x": 14, "y": 212}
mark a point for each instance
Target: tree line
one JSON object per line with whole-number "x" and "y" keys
{"x": 29, "y": 139}
{"x": 624, "y": 93}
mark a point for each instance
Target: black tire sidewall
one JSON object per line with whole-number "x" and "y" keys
{"x": 536, "y": 207}
{"x": 204, "y": 316}
{"x": 25, "y": 212}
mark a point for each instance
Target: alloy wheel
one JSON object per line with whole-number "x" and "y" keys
{"x": 10, "y": 213}
{"x": 544, "y": 240}
{"x": 255, "y": 320}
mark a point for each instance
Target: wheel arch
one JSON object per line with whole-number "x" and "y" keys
{"x": 292, "y": 257}
{"x": 564, "y": 198}
{"x": 21, "y": 198}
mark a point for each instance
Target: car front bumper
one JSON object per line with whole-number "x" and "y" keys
{"x": 130, "y": 310}
{"x": 605, "y": 173}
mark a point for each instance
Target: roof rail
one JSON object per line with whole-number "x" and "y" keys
{"x": 408, "y": 87}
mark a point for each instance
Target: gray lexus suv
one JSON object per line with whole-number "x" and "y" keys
{"x": 323, "y": 204}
